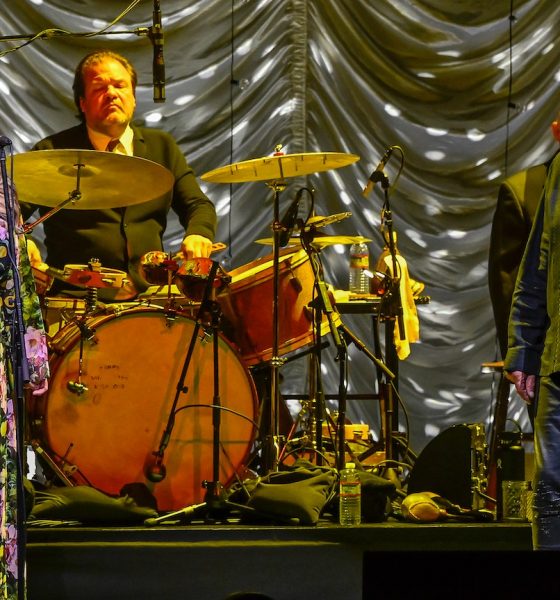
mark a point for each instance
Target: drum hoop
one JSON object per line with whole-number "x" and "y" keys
{"x": 258, "y": 272}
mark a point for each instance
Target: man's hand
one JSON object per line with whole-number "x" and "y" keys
{"x": 524, "y": 384}
{"x": 43, "y": 281}
{"x": 196, "y": 246}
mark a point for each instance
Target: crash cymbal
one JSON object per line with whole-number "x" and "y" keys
{"x": 321, "y": 240}
{"x": 274, "y": 168}
{"x": 107, "y": 180}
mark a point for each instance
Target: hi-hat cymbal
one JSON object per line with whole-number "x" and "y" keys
{"x": 321, "y": 240}
{"x": 318, "y": 221}
{"x": 107, "y": 180}
{"x": 274, "y": 168}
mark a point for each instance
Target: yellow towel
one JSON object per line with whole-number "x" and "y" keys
{"x": 410, "y": 315}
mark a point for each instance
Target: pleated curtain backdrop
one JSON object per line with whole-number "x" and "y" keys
{"x": 352, "y": 76}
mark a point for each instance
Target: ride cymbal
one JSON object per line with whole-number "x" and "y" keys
{"x": 106, "y": 179}
{"x": 321, "y": 240}
{"x": 281, "y": 166}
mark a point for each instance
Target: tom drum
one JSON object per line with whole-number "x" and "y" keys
{"x": 247, "y": 305}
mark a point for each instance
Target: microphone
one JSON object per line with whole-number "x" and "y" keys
{"x": 4, "y": 141}
{"x": 288, "y": 222}
{"x": 155, "y": 470}
{"x": 158, "y": 65}
{"x": 378, "y": 172}
{"x": 77, "y": 388}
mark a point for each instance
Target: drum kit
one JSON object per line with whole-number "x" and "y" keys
{"x": 107, "y": 407}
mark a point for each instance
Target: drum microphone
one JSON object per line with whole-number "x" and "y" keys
{"x": 77, "y": 388}
{"x": 156, "y": 471}
{"x": 158, "y": 65}
{"x": 288, "y": 222}
{"x": 378, "y": 172}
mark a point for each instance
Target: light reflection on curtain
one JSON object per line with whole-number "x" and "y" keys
{"x": 347, "y": 76}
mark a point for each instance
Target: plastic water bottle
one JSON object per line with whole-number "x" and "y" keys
{"x": 359, "y": 262}
{"x": 350, "y": 508}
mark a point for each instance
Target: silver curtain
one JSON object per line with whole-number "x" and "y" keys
{"x": 355, "y": 76}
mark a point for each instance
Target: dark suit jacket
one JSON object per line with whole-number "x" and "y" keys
{"x": 118, "y": 237}
{"x": 534, "y": 328}
{"x": 518, "y": 198}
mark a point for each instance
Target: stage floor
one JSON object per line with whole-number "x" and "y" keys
{"x": 323, "y": 562}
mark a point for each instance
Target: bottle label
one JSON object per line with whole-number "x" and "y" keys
{"x": 359, "y": 261}
{"x": 350, "y": 489}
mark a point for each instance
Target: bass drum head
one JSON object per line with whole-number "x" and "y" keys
{"x": 132, "y": 369}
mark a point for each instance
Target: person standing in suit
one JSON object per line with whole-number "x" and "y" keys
{"x": 518, "y": 198}
{"x": 532, "y": 361}
{"x": 104, "y": 93}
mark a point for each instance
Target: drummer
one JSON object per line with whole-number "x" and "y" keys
{"x": 104, "y": 93}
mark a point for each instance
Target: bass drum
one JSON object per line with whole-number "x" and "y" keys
{"x": 105, "y": 437}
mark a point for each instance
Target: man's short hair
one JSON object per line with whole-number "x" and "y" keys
{"x": 92, "y": 59}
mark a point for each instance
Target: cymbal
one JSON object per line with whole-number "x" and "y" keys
{"x": 107, "y": 180}
{"x": 272, "y": 168}
{"x": 319, "y": 221}
{"x": 321, "y": 240}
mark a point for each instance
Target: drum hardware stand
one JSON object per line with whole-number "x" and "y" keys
{"x": 385, "y": 377}
{"x": 215, "y": 503}
{"x": 86, "y": 333}
{"x": 391, "y": 309}
{"x": 322, "y": 305}
{"x": 271, "y": 447}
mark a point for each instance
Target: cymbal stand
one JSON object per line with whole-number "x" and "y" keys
{"x": 271, "y": 447}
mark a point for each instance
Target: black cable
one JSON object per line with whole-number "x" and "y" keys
{"x": 56, "y": 32}
{"x": 232, "y": 84}
{"x": 510, "y": 104}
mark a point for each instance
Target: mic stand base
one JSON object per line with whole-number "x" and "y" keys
{"x": 215, "y": 508}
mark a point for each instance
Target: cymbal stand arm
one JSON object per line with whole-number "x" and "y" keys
{"x": 73, "y": 197}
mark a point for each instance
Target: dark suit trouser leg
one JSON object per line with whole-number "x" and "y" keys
{"x": 546, "y": 509}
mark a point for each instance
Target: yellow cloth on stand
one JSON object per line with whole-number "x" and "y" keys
{"x": 410, "y": 315}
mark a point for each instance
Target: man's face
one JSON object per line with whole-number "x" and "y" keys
{"x": 108, "y": 103}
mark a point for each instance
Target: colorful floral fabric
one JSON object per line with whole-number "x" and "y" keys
{"x": 36, "y": 356}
